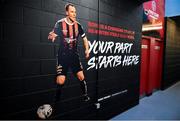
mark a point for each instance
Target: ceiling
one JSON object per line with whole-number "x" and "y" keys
{"x": 143, "y": 0}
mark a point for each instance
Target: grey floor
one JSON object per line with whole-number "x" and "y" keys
{"x": 161, "y": 105}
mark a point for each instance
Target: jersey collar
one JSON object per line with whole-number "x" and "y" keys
{"x": 68, "y": 22}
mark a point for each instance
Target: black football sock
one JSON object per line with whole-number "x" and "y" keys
{"x": 57, "y": 97}
{"x": 58, "y": 92}
{"x": 83, "y": 87}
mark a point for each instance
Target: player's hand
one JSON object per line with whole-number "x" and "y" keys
{"x": 52, "y": 36}
{"x": 87, "y": 54}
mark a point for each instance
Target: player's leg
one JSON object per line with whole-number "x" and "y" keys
{"x": 60, "y": 80}
{"x": 77, "y": 69}
{"x": 83, "y": 84}
{"x": 61, "y": 70}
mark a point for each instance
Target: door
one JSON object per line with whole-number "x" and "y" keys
{"x": 144, "y": 65}
{"x": 155, "y": 64}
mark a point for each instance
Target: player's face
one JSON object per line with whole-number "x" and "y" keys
{"x": 71, "y": 13}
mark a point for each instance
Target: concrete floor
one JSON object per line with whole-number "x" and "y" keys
{"x": 161, "y": 105}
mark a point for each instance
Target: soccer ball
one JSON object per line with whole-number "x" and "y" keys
{"x": 44, "y": 111}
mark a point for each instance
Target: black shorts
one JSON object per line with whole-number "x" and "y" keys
{"x": 66, "y": 60}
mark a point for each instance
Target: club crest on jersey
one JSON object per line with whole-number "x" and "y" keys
{"x": 64, "y": 31}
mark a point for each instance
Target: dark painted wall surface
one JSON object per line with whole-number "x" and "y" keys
{"x": 172, "y": 52}
{"x": 121, "y": 79}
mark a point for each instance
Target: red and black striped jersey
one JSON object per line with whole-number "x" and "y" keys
{"x": 68, "y": 34}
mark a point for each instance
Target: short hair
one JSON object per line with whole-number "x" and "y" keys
{"x": 67, "y": 6}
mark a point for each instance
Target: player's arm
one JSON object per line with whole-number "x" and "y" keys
{"x": 52, "y": 36}
{"x": 86, "y": 46}
{"x": 85, "y": 41}
{"x": 54, "y": 33}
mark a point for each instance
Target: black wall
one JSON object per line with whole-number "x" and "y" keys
{"x": 127, "y": 15}
{"x": 28, "y": 59}
{"x": 172, "y": 52}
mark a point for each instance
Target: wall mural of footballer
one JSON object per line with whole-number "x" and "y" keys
{"x": 66, "y": 31}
